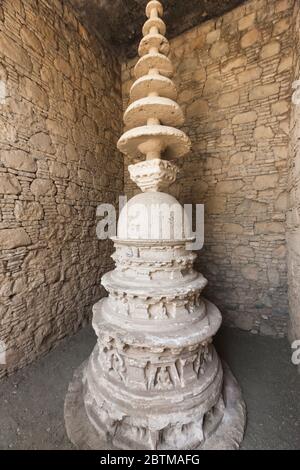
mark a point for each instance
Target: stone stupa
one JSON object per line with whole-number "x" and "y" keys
{"x": 154, "y": 380}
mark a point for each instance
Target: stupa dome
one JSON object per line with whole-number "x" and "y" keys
{"x": 153, "y": 216}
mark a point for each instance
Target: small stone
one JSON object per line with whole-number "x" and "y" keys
{"x": 197, "y": 108}
{"x": 280, "y": 107}
{"x": 264, "y": 91}
{"x": 17, "y": 6}
{"x": 58, "y": 170}
{"x": 268, "y": 227}
{"x": 56, "y": 127}
{"x": 285, "y": 64}
{"x": 213, "y": 36}
{"x": 35, "y": 93}
{"x": 249, "y": 206}
{"x": 212, "y": 86}
{"x": 41, "y": 334}
{"x": 212, "y": 163}
{"x": 73, "y": 192}
{"x": 244, "y": 321}
{"x": 241, "y": 157}
{"x": 229, "y": 187}
{"x": 71, "y": 152}
{"x": 83, "y": 32}
{"x": 281, "y": 26}
{"x": 273, "y": 276}
{"x": 9, "y": 184}
{"x": 200, "y": 74}
{"x": 47, "y": 75}
{"x": 18, "y": 160}
{"x": 262, "y": 182}
{"x": 186, "y": 96}
{"x": 31, "y": 40}
{"x": 227, "y": 140}
{"x": 281, "y": 203}
{"x": 250, "y": 38}
{"x": 263, "y": 132}
{"x": 244, "y": 251}
{"x": 236, "y": 159}
{"x": 250, "y": 272}
{"x": 90, "y": 160}
{"x": 271, "y": 49}
{"x": 284, "y": 125}
{"x": 64, "y": 210}
{"x": 215, "y": 205}
{"x": 52, "y": 275}
{"x": 279, "y": 252}
{"x": 70, "y": 18}
{"x": 43, "y": 187}
{"x": 244, "y": 118}
{"x": 282, "y": 5}
{"x": 249, "y": 75}
{"x": 20, "y": 285}
{"x": 85, "y": 176}
{"x": 6, "y": 288}
{"x": 27, "y": 210}
{"x": 17, "y": 54}
{"x": 280, "y": 153}
{"x": 42, "y": 142}
{"x": 233, "y": 228}
{"x": 219, "y": 49}
{"x": 234, "y": 64}
{"x": 188, "y": 63}
{"x": 89, "y": 124}
{"x": 246, "y": 22}
{"x": 63, "y": 66}
{"x": 199, "y": 189}
{"x": 229, "y": 99}
{"x": 13, "y": 238}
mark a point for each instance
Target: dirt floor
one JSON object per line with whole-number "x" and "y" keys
{"x": 32, "y": 400}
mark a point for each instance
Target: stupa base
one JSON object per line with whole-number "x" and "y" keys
{"x": 227, "y": 436}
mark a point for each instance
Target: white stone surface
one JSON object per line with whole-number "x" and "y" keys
{"x": 174, "y": 143}
{"x": 165, "y": 110}
{"x": 154, "y": 83}
{"x": 153, "y": 175}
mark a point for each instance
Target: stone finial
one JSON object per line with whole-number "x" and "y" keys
{"x": 153, "y": 113}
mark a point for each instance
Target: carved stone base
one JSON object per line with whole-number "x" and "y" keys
{"x": 227, "y": 436}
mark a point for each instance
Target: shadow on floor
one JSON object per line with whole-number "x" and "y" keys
{"x": 32, "y": 400}
{"x": 270, "y": 384}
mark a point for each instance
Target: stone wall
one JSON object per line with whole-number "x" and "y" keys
{"x": 234, "y": 80}
{"x": 60, "y": 115}
{"x": 293, "y": 216}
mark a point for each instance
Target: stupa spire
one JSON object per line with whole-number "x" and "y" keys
{"x": 153, "y": 115}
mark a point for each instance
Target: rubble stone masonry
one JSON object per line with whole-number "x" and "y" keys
{"x": 293, "y": 216}
{"x": 60, "y": 118}
{"x": 234, "y": 78}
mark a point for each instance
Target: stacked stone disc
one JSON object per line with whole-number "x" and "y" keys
{"x": 153, "y": 113}
{"x": 154, "y": 380}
